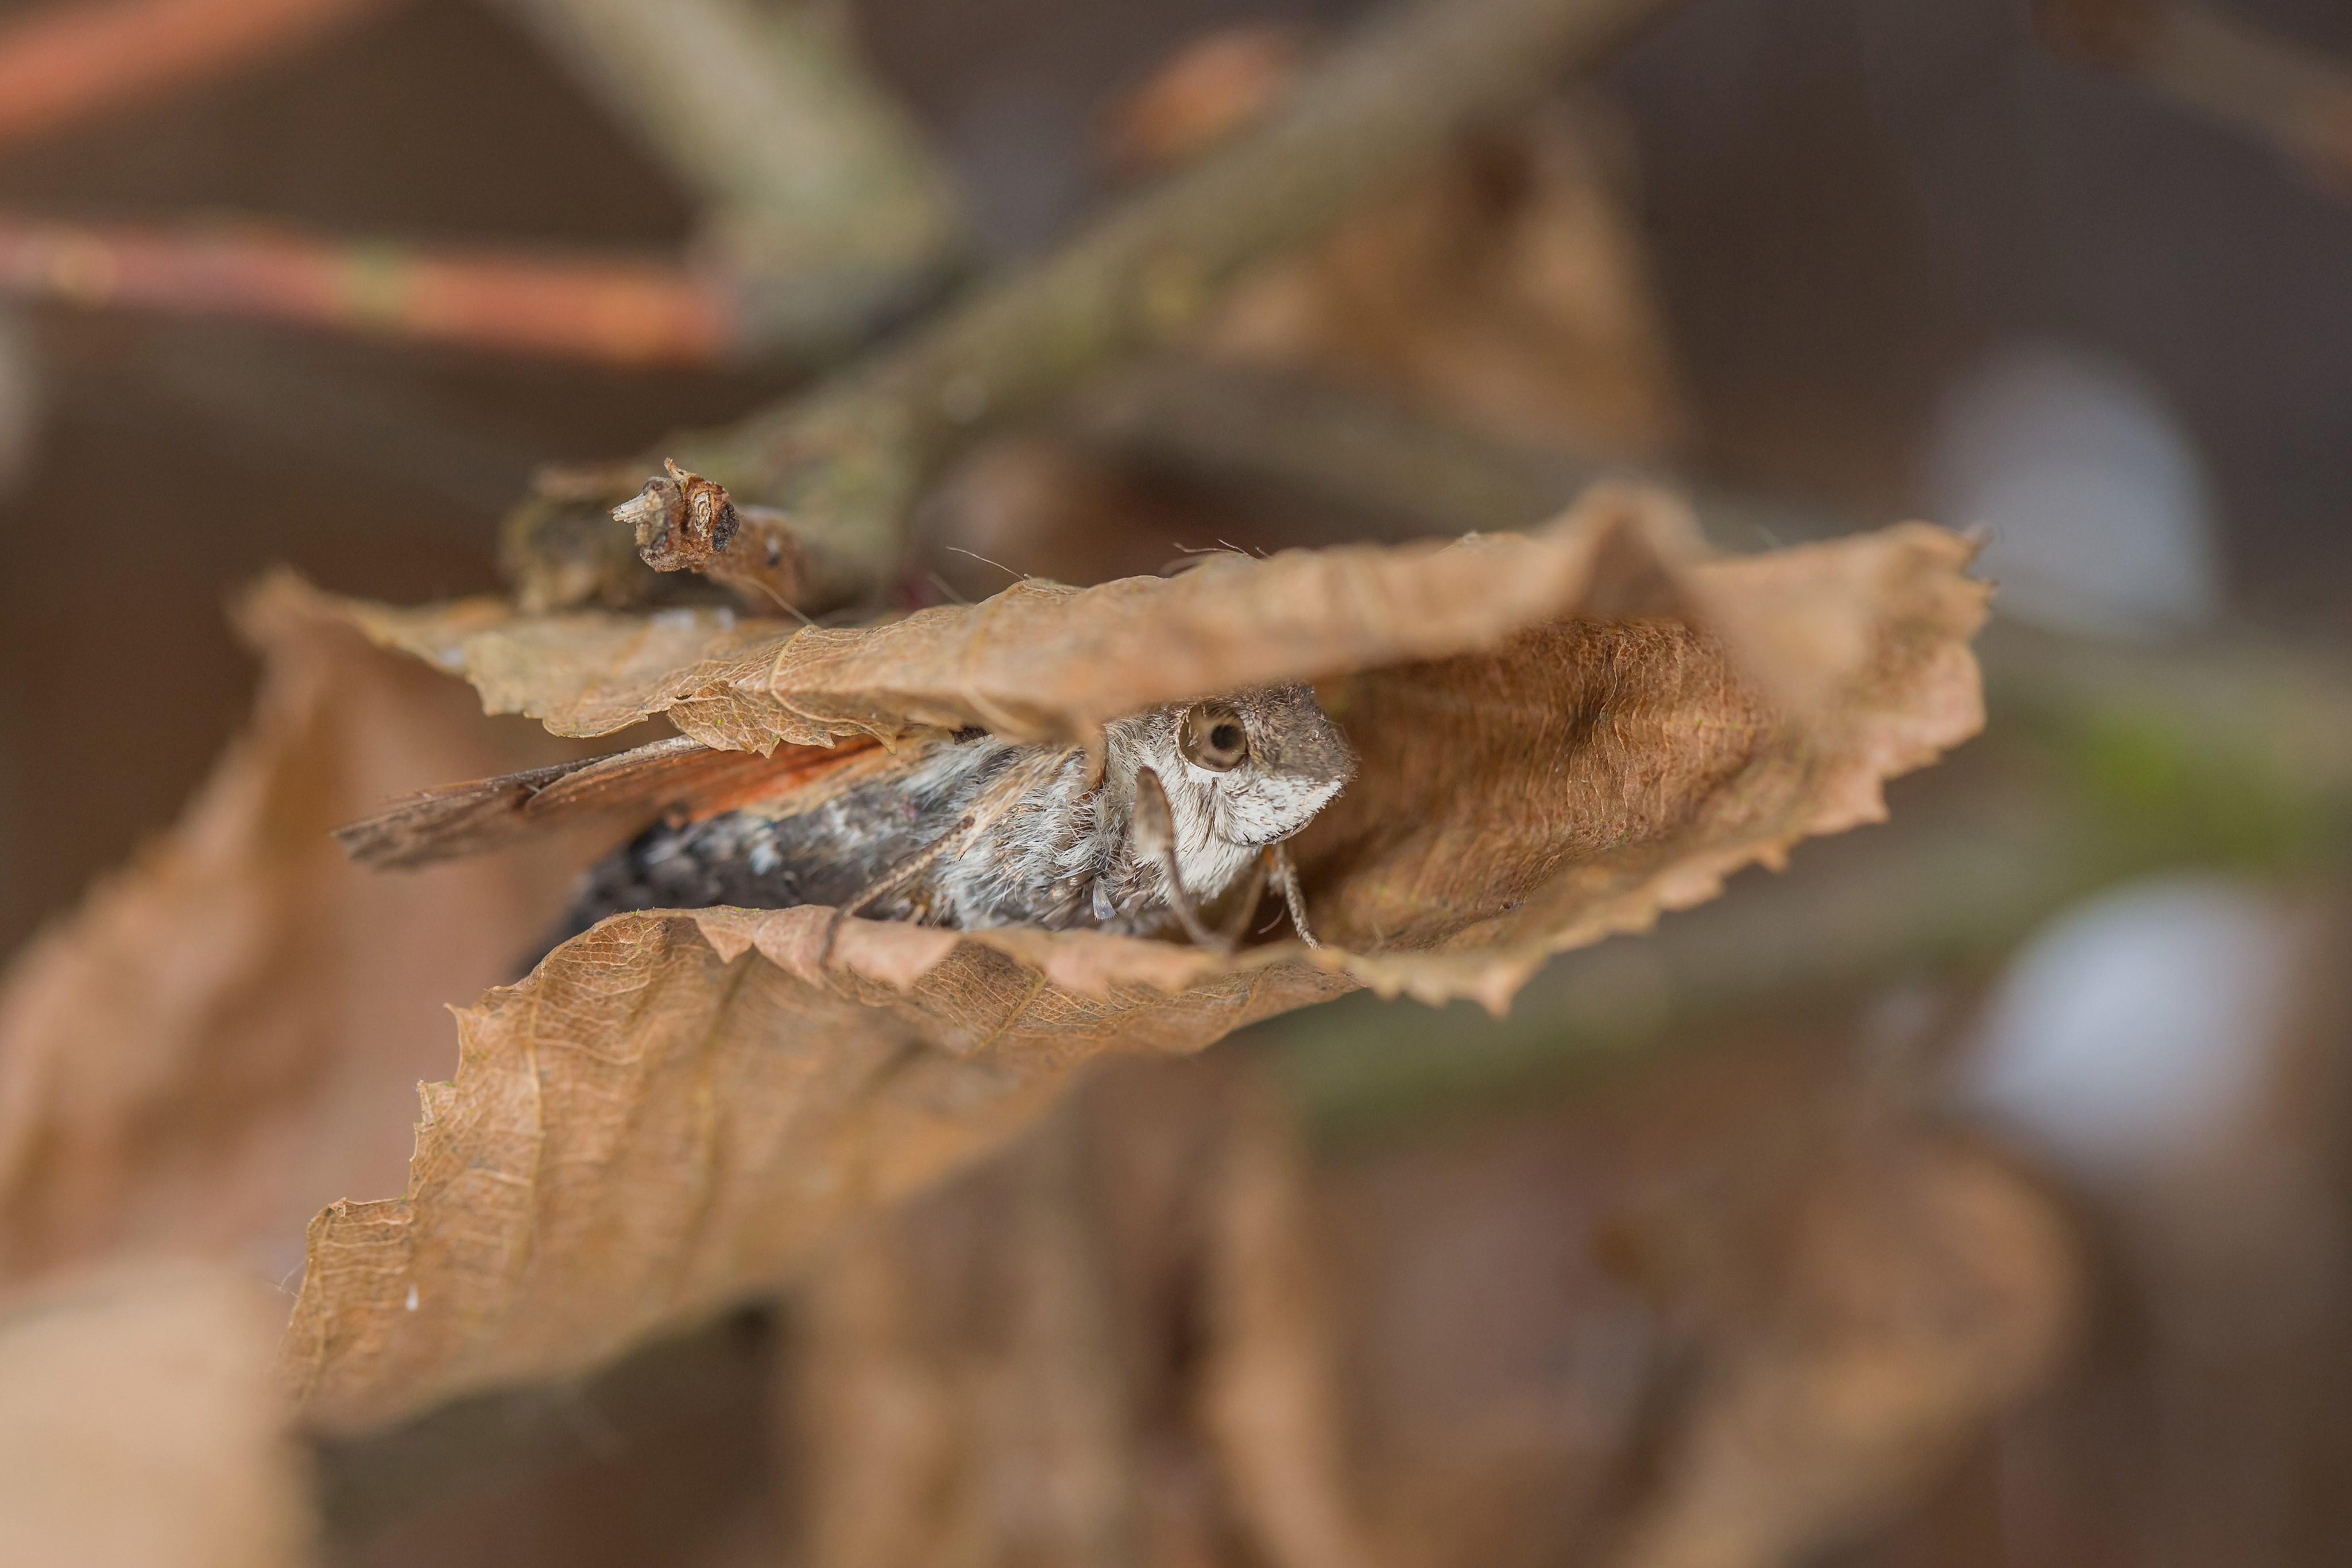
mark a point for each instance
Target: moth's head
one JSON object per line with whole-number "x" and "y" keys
{"x": 1271, "y": 758}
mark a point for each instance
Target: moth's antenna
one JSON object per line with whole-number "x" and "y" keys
{"x": 788, "y": 606}
{"x": 942, "y": 584}
{"x": 1015, "y": 576}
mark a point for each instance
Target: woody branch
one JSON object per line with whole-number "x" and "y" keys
{"x": 616, "y": 309}
{"x": 822, "y": 211}
{"x": 847, "y": 460}
{"x": 71, "y": 60}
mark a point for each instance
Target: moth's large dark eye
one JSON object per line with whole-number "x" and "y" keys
{"x": 1214, "y": 738}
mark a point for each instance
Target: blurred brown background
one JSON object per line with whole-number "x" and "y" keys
{"x": 1867, "y": 1217}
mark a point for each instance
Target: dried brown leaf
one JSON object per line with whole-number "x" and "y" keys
{"x": 592, "y": 672}
{"x": 1549, "y": 758}
{"x": 1586, "y": 775}
{"x": 242, "y": 1014}
{"x": 674, "y": 1108}
{"x": 1048, "y": 663}
{"x": 139, "y": 1427}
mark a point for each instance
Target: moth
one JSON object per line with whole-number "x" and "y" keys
{"x": 1180, "y": 806}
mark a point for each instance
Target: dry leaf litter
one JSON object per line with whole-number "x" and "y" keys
{"x": 1560, "y": 742}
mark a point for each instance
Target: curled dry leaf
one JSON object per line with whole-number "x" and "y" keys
{"x": 139, "y": 1429}
{"x": 1564, "y": 731}
{"x": 674, "y": 1108}
{"x": 228, "y": 1033}
{"x": 1560, "y": 741}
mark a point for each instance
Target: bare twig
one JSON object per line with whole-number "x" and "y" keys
{"x": 2281, "y": 92}
{"x": 848, "y": 462}
{"x": 615, "y": 311}
{"x": 686, "y": 523}
{"x": 819, "y": 196}
{"x": 823, "y": 212}
{"x": 70, "y": 60}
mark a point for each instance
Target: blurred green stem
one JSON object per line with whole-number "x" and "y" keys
{"x": 821, "y": 200}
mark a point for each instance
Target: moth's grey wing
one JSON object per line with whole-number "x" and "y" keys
{"x": 469, "y": 819}
{"x": 445, "y": 823}
{"x": 678, "y": 775}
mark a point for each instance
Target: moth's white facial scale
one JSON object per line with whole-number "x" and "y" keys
{"x": 1224, "y": 819}
{"x": 1295, "y": 762}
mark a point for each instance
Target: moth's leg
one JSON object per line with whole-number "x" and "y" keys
{"x": 890, "y": 881}
{"x": 1155, "y": 838}
{"x": 1286, "y": 876}
{"x": 1237, "y": 924}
